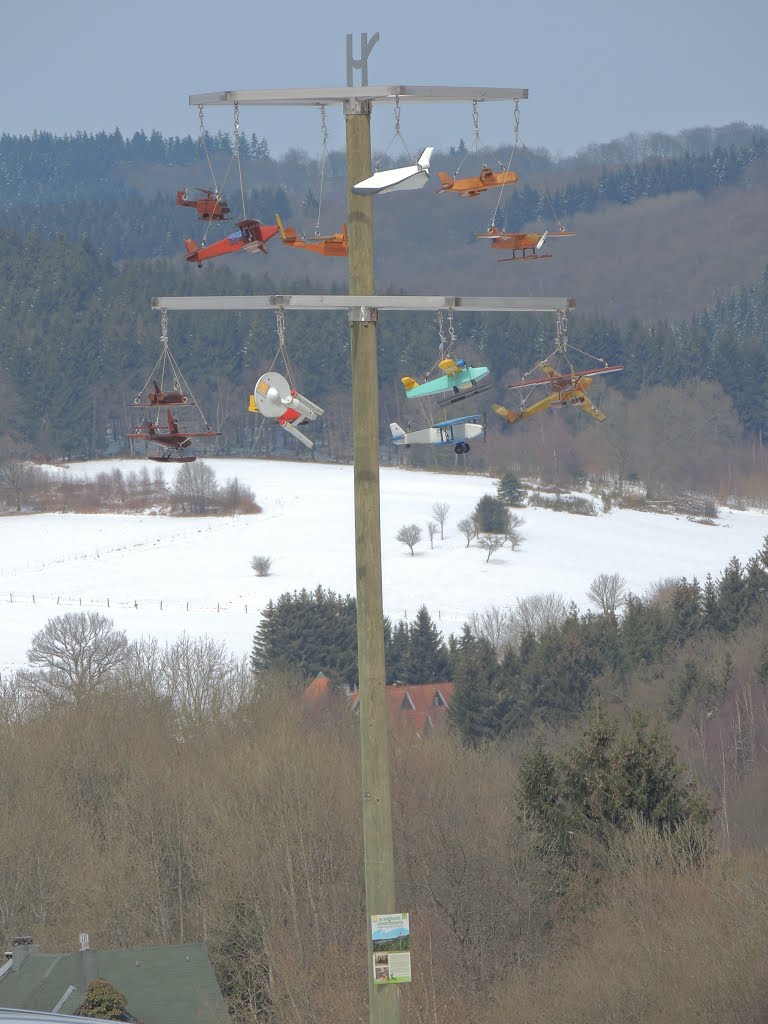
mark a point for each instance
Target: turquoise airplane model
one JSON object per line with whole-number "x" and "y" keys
{"x": 459, "y": 380}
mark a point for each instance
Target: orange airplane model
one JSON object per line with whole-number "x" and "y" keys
{"x": 565, "y": 389}
{"x": 324, "y": 245}
{"x": 470, "y": 187}
{"x": 522, "y": 242}
{"x": 250, "y": 236}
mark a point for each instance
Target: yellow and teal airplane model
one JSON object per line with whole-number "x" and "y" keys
{"x": 458, "y": 382}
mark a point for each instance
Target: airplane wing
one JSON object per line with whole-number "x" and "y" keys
{"x": 558, "y": 378}
{"x": 449, "y": 366}
{"x": 459, "y": 419}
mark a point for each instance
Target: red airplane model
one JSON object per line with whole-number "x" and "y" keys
{"x": 157, "y": 397}
{"x": 521, "y": 242}
{"x": 210, "y": 206}
{"x": 565, "y": 389}
{"x": 173, "y": 440}
{"x": 250, "y": 236}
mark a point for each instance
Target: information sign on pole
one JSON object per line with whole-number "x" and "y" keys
{"x": 391, "y": 941}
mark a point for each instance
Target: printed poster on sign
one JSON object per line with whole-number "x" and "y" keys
{"x": 391, "y": 937}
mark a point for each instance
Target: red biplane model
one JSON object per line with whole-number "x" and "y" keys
{"x": 527, "y": 243}
{"x": 250, "y": 236}
{"x": 173, "y": 439}
{"x": 156, "y": 396}
{"x": 209, "y": 206}
{"x": 470, "y": 187}
{"x": 323, "y": 245}
{"x": 565, "y": 389}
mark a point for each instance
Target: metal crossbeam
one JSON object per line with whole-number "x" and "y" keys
{"x": 346, "y": 94}
{"x": 412, "y": 303}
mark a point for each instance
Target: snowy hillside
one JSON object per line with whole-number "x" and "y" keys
{"x": 158, "y": 575}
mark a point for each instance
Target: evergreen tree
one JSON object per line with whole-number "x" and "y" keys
{"x": 510, "y": 490}
{"x": 491, "y": 515}
{"x": 427, "y": 657}
{"x": 473, "y": 711}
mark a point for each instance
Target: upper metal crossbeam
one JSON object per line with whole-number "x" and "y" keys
{"x": 412, "y": 303}
{"x": 346, "y": 94}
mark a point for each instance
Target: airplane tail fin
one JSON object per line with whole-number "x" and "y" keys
{"x": 190, "y": 246}
{"x": 181, "y": 197}
{"x": 508, "y": 414}
{"x": 423, "y": 162}
{"x": 409, "y": 383}
{"x": 287, "y": 234}
{"x": 542, "y": 240}
{"x": 397, "y": 431}
{"x": 446, "y": 181}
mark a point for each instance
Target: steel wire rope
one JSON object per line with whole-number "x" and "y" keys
{"x": 476, "y": 126}
{"x": 509, "y": 164}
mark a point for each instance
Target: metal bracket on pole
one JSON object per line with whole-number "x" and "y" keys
{"x": 362, "y": 63}
{"x": 363, "y": 315}
{"x": 354, "y": 105}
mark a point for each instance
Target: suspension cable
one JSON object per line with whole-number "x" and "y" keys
{"x": 509, "y": 164}
{"x": 476, "y": 128}
{"x": 324, "y": 154}
{"x": 237, "y": 153}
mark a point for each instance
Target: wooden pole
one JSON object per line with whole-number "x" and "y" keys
{"x": 383, "y": 1000}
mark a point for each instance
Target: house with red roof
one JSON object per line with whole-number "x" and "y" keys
{"x": 414, "y": 710}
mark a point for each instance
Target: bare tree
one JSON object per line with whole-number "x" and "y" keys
{"x": 440, "y": 511}
{"x": 17, "y": 474}
{"x": 261, "y": 565}
{"x": 468, "y": 527}
{"x": 532, "y": 615}
{"x": 514, "y": 536}
{"x": 491, "y": 542}
{"x": 195, "y": 488}
{"x": 432, "y": 529}
{"x": 76, "y": 654}
{"x": 609, "y": 592}
{"x": 493, "y": 624}
{"x": 409, "y": 535}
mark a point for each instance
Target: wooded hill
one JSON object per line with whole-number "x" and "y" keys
{"x": 78, "y": 337}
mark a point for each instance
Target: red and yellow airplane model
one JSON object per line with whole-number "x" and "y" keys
{"x": 209, "y": 206}
{"x": 172, "y": 440}
{"x": 250, "y": 236}
{"x": 566, "y": 389}
{"x": 323, "y": 245}
{"x": 470, "y": 187}
{"x": 522, "y": 242}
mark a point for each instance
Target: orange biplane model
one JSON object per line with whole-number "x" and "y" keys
{"x": 250, "y": 236}
{"x": 323, "y": 245}
{"x": 522, "y": 242}
{"x": 173, "y": 439}
{"x": 209, "y": 206}
{"x": 474, "y": 186}
{"x": 566, "y": 389}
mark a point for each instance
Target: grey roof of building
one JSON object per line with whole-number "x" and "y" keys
{"x": 163, "y": 984}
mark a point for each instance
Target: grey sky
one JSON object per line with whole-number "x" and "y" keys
{"x": 596, "y": 70}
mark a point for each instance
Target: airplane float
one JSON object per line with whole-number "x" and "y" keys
{"x": 459, "y": 379}
{"x": 566, "y": 389}
{"x": 456, "y": 432}
{"x": 324, "y": 245}
{"x": 173, "y": 440}
{"x": 470, "y": 187}
{"x": 274, "y": 398}
{"x": 397, "y": 179}
{"x": 209, "y": 206}
{"x": 250, "y": 237}
{"x": 522, "y": 242}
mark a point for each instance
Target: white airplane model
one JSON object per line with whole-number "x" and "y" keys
{"x": 274, "y": 398}
{"x": 456, "y": 432}
{"x": 397, "y": 179}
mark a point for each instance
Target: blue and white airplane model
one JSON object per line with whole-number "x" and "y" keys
{"x": 456, "y": 432}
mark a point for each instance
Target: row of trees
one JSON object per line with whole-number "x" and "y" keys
{"x": 513, "y": 673}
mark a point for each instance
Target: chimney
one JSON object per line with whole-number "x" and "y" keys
{"x": 87, "y": 966}
{"x": 21, "y": 947}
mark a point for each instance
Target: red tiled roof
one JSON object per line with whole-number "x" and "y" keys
{"x": 415, "y": 709}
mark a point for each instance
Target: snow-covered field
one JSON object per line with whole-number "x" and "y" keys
{"x": 158, "y": 575}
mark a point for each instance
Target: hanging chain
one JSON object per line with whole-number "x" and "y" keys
{"x": 397, "y": 114}
{"x": 280, "y": 322}
{"x": 476, "y": 125}
{"x": 164, "y": 327}
{"x": 451, "y": 331}
{"x": 517, "y": 121}
{"x": 441, "y": 332}
{"x": 323, "y": 155}
{"x": 236, "y": 134}
{"x": 561, "y": 331}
